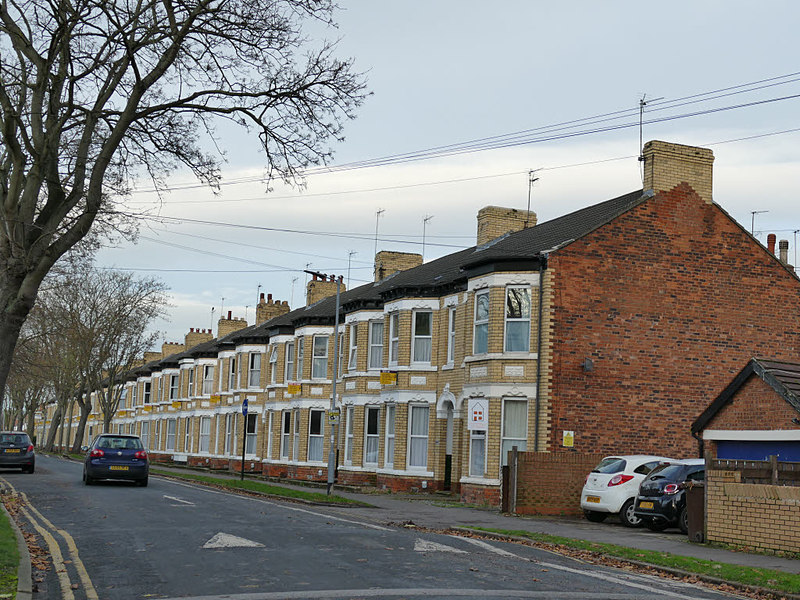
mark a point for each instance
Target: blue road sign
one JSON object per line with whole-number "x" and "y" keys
{"x": 244, "y": 406}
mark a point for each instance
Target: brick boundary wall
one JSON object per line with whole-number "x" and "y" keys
{"x": 550, "y": 483}
{"x": 758, "y": 516}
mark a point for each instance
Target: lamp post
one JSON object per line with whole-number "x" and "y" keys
{"x": 334, "y": 438}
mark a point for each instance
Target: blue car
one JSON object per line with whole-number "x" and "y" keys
{"x": 16, "y": 451}
{"x": 116, "y": 456}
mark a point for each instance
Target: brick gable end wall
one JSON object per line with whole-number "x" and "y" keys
{"x": 669, "y": 300}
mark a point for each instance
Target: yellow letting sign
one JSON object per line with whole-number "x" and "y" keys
{"x": 388, "y": 378}
{"x": 293, "y": 388}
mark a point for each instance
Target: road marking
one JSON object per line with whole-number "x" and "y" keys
{"x": 55, "y": 552}
{"x": 180, "y": 500}
{"x": 88, "y": 587}
{"x": 427, "y": 546}
{"x": 415, "y": 593}
{"x": 226, "y": 540}
{"x": 488, "y": 547}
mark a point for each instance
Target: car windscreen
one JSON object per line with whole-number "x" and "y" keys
{"x": 612, "y": 464}
{"x": 108, "y": 442}
{"x": 13, "y": 438}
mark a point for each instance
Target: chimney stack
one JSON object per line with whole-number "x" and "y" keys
{"x": 229, "y": 325}
{"x": 494, "y": 221}
{"x": 771, "y": 243}
{"x": 269, "y": 309}
{"x": 319, "y": 288}
{"x": 783, "y": 249}
{"x": 667, "y": 165}
{"x": 388, "y": 263}
{"x": 196, "y": 336}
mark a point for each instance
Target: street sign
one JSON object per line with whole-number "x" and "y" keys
{"x": 244, "y": 407}
{"x": 333, "y": 416}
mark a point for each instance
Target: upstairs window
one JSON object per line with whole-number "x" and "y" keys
{"x": 191, "y": 390}
{"x": 289, "y": 374}
{"x": 254, "y": 370}
{"x": 300, "y": 352}
{"x": 481, "y": 338}
{"x": 422, "y": 335}
{"x": 353, "y": 356}
{"x": 208, "y": 379}
{"x": 232, "y": 374}
{"x": 518, "y": 319}
{"x": 375, "y": 344}
{"x": 273, "y": 364}
{"x": 394, "y": 338}
{"x": 451, "y": 335}
{"x": 147, "y": 392}
{"x": 173, "y": 387}
{"x": 319, "y": 363}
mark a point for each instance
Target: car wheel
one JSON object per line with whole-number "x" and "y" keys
{"x": 142, "y": 482}
{"x": 30, "y": 469}
{"x": 683, "y": 521}
{"x": 656, "y": 525}
{"x": 86, "y": 479}
{"x": 626, "y": 515}
{"x": 594, "y": 516}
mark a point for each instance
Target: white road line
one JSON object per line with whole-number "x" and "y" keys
{"x": 596, "y": 575}
{"x": 180, "y": 500}
{"x": 421, "y": 545}
{"x": 283, "y": 506}
{"x": 416, "y": 593}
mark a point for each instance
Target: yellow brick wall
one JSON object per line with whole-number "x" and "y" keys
{"x": 667, "y": 165}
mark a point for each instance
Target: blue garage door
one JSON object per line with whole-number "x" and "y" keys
{"x": 736, "y": 450}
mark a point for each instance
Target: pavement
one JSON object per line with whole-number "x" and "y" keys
{"x": 444, "y": 512}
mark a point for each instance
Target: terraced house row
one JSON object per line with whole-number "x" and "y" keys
{"x": 605, "y": 330}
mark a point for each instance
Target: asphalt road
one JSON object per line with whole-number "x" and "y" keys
{"x": 172, "y": 540}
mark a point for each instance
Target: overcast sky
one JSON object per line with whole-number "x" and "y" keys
{"x": 445, "y": 72}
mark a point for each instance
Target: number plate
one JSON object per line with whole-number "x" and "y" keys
{"x": 12, "y": 451}
{"x": 595, "y": 499}
{"x": 117, "y": 468}
{"x": 647, "y": 505}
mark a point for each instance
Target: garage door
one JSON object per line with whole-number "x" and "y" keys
{"x": 786, "y": 451}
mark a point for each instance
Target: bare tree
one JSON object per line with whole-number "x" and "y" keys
{"x": 94, "y": 93}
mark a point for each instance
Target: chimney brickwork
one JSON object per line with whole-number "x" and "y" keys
{"x": 151, "y": 356}
{"x": 494, "y": 221}
{"x": 317, "y": 289}
{"x": 783, "y": 251}
{"x": 229, "y": 325}
{"x": 197, "y": 336}
{"x": 170, "y": 348}
{"x": 667, "y": 165}
{"x": 269, "y": 309}
{"x": 388, "y": 263}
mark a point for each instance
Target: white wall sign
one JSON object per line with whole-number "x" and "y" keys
{"x": 478, "y": 414}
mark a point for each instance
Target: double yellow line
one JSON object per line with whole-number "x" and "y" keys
{"x": 47, "y": 530}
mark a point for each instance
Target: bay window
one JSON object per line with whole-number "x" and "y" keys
{"x": 481, "y": 337}
{"x": 418, "y": 436}
{"x": 518, "y": 319}
{"x": 422, "y": 337}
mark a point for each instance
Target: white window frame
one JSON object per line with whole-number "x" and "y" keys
{"x": 174, "y": 386}
{"x": 517, "y": 320}
{"x": 144, "y": 434}
{"x": 389, "y": 435}
{"x": 250, "y": 434}
{"x": 288, "y": 374}
{"x": 187, "y": 435}
{"x": 352, "y": 361}
{"x": 270, "y": 433}
{"x": 156, "y": 431}
{"x": 208, "y": 379}
{"x": 477, "y": 439}
{"x": 394, "y": 338}
{"x": 316, "y": 441}
{"x": 273, "y": 364}
{"x": 229, "y": 449}
{"x": 286, "y": 433}
{"x": 372, "y": 438}
{"x": 232, "y": 372}
{"x": 372, "y": 356}
{"x": 134, "y": 395}
{"x": 481, "y": 324}
{"x": 319, "y": 360}
{"x": 296, "y": 435}
{"x": 301, "y": 350}
{"x": 254, "y": 369}
{"x": 205, "y": 434}
{"x": 172, "y": 425}
{"x": 348, "y": 436}
{"x": 507, "y": 441}
{"x": 147, "y": 396}
{"x": 451, "y": 335}
{"x": 190, "y": 389}
{"x": 417, "y": 436}
{"x": 422, "y": 339}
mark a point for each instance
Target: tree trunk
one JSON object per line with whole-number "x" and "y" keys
{"x": 85, "y": 407}
{"x": 51, "y": 433}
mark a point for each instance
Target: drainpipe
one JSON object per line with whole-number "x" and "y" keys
{"x": 542, "y": 267}
{"x": 700, "y": 444}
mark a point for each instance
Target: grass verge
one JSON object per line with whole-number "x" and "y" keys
{"x": 9, "y": 558}
{"x": 261, "y": 487}
{"x": 765, "y": 578}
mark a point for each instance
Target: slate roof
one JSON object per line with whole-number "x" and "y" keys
{"x": 436, "y": 277}
{"x": 781, "y": 376}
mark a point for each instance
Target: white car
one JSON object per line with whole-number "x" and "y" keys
{"x": 612, "y": 486}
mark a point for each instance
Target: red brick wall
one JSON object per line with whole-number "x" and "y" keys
{"x": 551, "y": 483}
{"x": 480, "y": 495}
{"x": 755, "y": 406}
{"x": 670, "y": 301}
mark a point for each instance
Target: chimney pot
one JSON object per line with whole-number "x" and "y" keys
{"x": 771, "y": 243}
{"x": 269, "y": 297}
{"x": 229, "y": 315}
{"x": 262, "y": 295}
{"x": 783, "y": 246}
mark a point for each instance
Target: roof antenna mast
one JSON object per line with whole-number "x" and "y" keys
{"x": 532, "y": 178}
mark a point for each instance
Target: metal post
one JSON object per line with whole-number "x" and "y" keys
{"x": 244, "y": 442}
{"x": 334, "y": 445}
